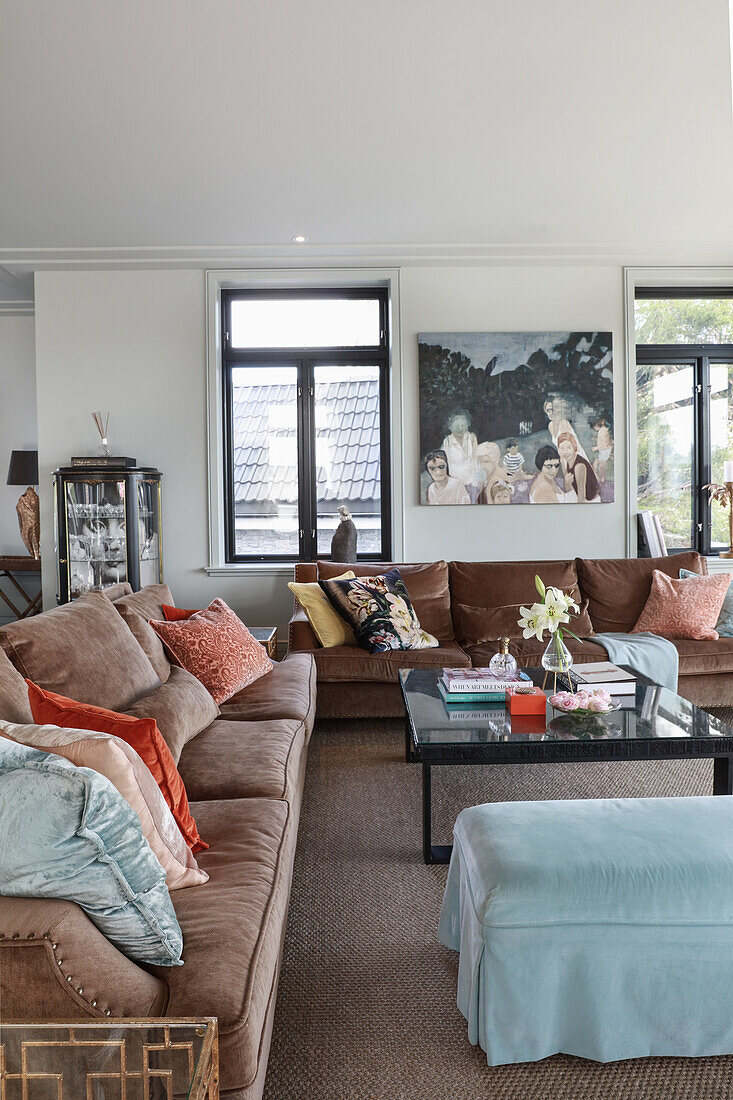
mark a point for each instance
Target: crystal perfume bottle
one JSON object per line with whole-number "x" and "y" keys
{"x": 502, "y": 664}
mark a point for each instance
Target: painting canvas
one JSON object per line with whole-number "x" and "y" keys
{"x": 516, "y": 418}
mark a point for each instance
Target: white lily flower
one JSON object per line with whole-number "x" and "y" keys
{"x": 557, "y": 598}
{"x": 556, "y": 616}
{"x": 533, "y": 621}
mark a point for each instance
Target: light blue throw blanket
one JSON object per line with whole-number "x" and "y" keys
{"x": 648, "y": 654}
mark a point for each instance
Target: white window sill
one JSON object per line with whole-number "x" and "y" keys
{"x": 252, "y": 569}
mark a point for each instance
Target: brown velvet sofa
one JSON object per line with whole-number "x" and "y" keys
{"x": 244, "y": 776}
{"x": 466, "y": 605}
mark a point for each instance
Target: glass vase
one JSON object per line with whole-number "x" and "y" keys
{"x": 556, "y": 658}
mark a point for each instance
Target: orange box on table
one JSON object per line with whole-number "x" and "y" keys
{"x": 534, "y": 702}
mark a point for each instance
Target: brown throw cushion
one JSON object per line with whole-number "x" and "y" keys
{"x": 427, "y": 587}
{"x": 82, "y": 650}
{"x": 476, "y": 584}
{"x": 181, "y": 707}
{"x": 136, "y": 609}
{"x": 618, "y": 588}
{"x": 496, "y": 584}
{"x": 487, "y": 624}
{"x": 14, "y": 705}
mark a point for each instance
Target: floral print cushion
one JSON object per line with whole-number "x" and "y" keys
{"x": 379, "y": 611}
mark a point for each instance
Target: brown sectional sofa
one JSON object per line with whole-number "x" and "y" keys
{"x": 464, "y": 603}
{"x": 244, "y": 775}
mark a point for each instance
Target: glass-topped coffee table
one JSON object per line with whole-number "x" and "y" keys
{"x": 110, "y": 1059}
{"x": 655, "y": 724}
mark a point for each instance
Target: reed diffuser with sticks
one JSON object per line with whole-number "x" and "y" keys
{"x": 102, "y": 424}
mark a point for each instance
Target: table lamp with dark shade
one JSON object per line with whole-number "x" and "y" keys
{"x": 24, "y": 471}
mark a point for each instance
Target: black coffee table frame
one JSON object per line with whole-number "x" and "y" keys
{"x": 706, "y": 745}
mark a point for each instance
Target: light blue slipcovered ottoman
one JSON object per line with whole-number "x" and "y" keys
{"x": 600, "y": 928}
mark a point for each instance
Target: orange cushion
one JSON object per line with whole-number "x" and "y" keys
{"x": 173, "y": 614}
{"x": 216, "y": 647}
{"x": 141, "y": 734}
{"x": 686, "y": 608}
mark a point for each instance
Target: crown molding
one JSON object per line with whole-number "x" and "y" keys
{"x": 22, "y": 260}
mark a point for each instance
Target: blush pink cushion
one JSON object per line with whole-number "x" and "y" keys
{"x": 114, "y": 758}
{"x": 215, "y": 646}
{"x": 676, "y": 611}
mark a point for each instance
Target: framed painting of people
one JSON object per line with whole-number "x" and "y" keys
{"x": 516, "y": 418}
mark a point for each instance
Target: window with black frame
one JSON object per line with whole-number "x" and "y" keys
{"x": 684, "y": 402}
{"x": 306, "y": 408}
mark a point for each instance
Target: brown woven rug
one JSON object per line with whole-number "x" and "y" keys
{"x": 366, "y": 1008}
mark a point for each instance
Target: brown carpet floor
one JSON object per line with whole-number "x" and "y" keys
{"x": 366, "y": 1008}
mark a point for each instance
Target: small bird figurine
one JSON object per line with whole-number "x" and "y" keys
{"x": 343, "y": 543}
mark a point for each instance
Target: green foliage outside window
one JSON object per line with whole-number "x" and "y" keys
{"x": 664, "y": 466}
{"x": 684, "y": 321}
{"x": 664, "y": 431}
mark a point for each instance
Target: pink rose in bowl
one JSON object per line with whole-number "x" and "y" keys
{"x": 595, "y": 702}
{"x": 600, "y": 701}
{"x": 564, "y": 700}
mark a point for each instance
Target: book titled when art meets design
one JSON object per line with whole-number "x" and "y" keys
{"x": 471, "y": 680}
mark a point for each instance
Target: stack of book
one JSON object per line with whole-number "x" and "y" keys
{"x": 599, "y": 674}
{"x": 476, "y": 686}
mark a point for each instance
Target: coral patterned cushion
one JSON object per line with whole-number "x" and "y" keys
{"x": 683, "y": 608}
{"x": 141, "y": 734}
{"x": 216, "y": 647}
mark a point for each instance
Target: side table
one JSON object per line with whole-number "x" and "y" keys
{"x": 144, "y": 1058}
{"x": 10, "y": 565}
{"x": 267, "y": 636}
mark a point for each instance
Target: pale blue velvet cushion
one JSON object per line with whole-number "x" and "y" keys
{"x": 724, "y": 625}
{"x": 600, "y": 928}
{"x": 67, "y": 833}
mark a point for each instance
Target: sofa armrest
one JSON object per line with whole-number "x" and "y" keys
{"x": 300, "y": 632}
{"x": 54, "y": 964}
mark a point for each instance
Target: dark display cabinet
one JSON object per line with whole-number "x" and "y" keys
{"x": 107, "y": 528}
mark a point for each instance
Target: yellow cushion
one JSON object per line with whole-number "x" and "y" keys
{"x": 328, "y": 626}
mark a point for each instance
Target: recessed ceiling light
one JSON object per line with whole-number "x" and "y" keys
{"x": 299, "y": 239}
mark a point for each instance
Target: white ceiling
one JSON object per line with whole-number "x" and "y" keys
{"x": 363, "y": 122}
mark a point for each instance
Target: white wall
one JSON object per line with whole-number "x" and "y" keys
{"x": 17, "y": 429}
{"x": 510, "y": 299}
{"x": 133, "y": 342}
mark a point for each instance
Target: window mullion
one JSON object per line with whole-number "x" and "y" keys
{"x": 229, "y": 524}
{"x": 306, "y": 461}
{"x": 385, "y": 466}
{"x": 703, "y": 471}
